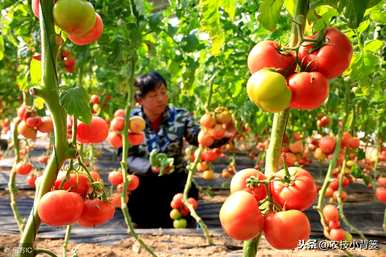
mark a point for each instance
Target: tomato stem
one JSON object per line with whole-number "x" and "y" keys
{"x": 66, "y": 239}
{"x": 12, "y": 179}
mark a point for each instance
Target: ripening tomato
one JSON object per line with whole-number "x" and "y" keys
{"x": 323, "y": 122}
{"x": 239, "y": 182}
{"x": 332, "y": 59}
{"x": 207, "y": 121}
{"x": 175, "y": 214}
{"x": 299, "y": 193}
{"x": 296, "y": 147}
{"x": 210, "y": 155}
{"x": 26, "y": 131}
{"x": 74, "y": 16}
{"x": 205, "y": 139}
{"x": 177, "y": 202}
{"x": 59, "y": 208}
{"x": 134, "y": 182}
{"x": 76, "y": 182}
{"x": 30, "y": 180}
{"x": 309, "y": 90}
{"x": 46, "y": 125}
{"x": 266, "y": 54}
{"x": 115, "y": 139}
{"x": 95, "y": 99}
{"x": 330, "y": 213}
{"x": 93, "y": 133}
{"x": 337, "y": 234}
{"x": 240, "y": 216}
{"x": 284, "y": 229}
{"x": 136, "y": 138}
{"x": 327, "y": 144}
{"x": 96, "y": 212}
{"x": 269, "y": 91}
{"x": 117, "y": 124}
{"x": 91, "y": 36}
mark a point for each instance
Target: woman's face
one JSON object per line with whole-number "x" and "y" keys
{"x": 155, "y": 101}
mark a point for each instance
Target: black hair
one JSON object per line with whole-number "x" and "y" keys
{"x": 148, "y": 82}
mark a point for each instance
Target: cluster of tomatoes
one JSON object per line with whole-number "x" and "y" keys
{"x": 77, "y": 18}
{"x": 116, "y": 179}
{"x": 30, "y": 123}
{"x": 331, "y": 218}
{"x": 180, "y": 210}
{"x": 136, "y": 126}
{"x": 248, "y": 212}
{"x": 274, "y": 85}
{"x": 97, "y": 105}
{"x": 295, "y": 152}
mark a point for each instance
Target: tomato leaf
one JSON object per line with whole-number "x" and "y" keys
{"x": 353, "y": 10}
{"x": 374, "y": 45}
{"x": 35, "y": 70}
{"x": 269, "y": 13}
{"x": 1, "y": 48}
{"x": 76, "y": 102}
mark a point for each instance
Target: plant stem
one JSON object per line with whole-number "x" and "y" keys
{"x": 49, "y": 92}
{"x": 12, "y": 178}
{"x": 187, "y": 187}
{"x": 332, "y": 165}
{"x": 66, "y": 239}
{"x": 36, "y": 252}
{"x": 280, "y": 119}
{"x": 340, "y": 203}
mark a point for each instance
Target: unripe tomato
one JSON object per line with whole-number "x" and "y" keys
{"x": 266, "y": 54}
{"x": 309, "y": 90}
{"x": 74, "y": 16}
{"x": 175, "y": 214}
{"x": 284, "y": 229}
{"x": 269, "y": 91}
{"x": 240, "y": 216}
{"x": 180, "y": 223}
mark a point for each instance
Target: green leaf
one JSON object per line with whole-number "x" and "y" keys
{"x": 269, "y": 13}
{"x": 76, "y": 102}
{"x": 210, "y": 23}
{"x": 353, "y": 10}
{"x": 35, "y": 70}
{"x": 374, "y": 45}
{"x": 290, "y": 6}
{"x": 1, "y": 48}
{"x": 230, "y": 7}
{"x": 363, "y": 26}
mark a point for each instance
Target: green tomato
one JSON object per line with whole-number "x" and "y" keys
{"x": 74, "y": 16}
{"x": 180, "y": 223}
{"x": 348, "y": 236}
{"x": 269, "y": 91}
{"x": 175, "y": 214}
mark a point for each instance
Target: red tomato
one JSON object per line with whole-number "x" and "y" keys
{"x": 323, "y": 122}
{"x": 26, "y": 131}
{"x": 380, "y": 194}
{"x": 346, "y": 139}
{"x": 337, "y": 234}
{"x": 96, "y": 212}
{"x": 327, "y": 144}
{"x": 177, "y": 202}
{"x": 77, "y": 183}
{"x": 59, "y": 208}
{"x": 381, "y": 181}
{"x": 354, "y": 142}
{"x": 31, "y": 180}
{"x": 33, "y": 122}
{"x": 23, "y": 168}
{"x": 296, "y": 147}
{"x": 330, "y": 213}
{"x": 91, "y": 36}
{"x": 334, "y": 224}
{"x": 239, "y": 182}
{"x": 93, "y": 133}
{"x": 284, "y": 229}
{"x": 209, "y": 155}
{"x": 298, "y": 194}
{"x": 332, "y": 59}
{"x": 290, "y": 158}
{"x": 266, "y": 54}
{"x": 240, "y": 216}
{"x": 309, "y": 90}
{"x": 343, "y": 196}
{"x": 115, "y": 199}
{"x": 95, "y": 99}
{"x": 115, "y": 177}
{"x": 193, "y": 202}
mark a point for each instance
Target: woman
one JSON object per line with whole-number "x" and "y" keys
{"x": 166, "y": 129}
